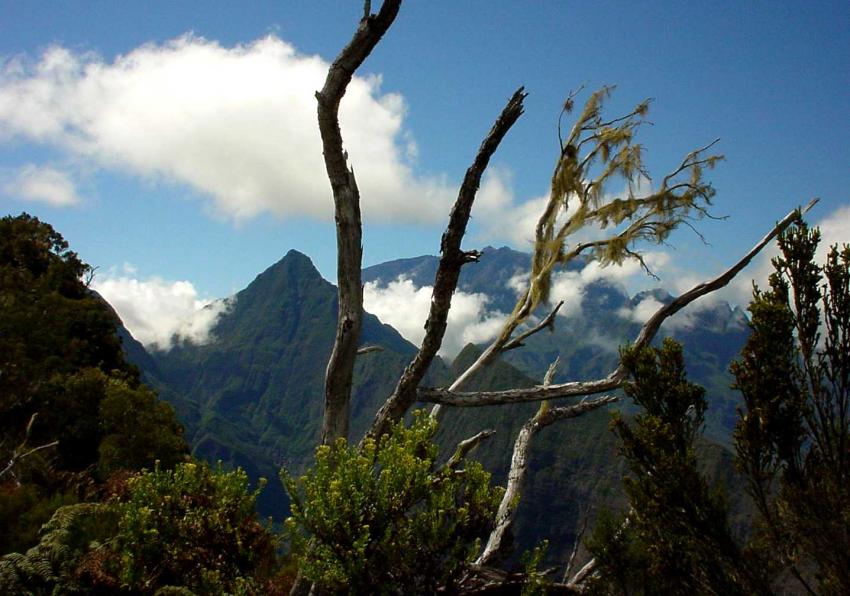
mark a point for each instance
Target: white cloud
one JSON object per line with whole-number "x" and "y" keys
{"x": 42, "y": 184}
{"x": 502, "y": 217}
{"x": 405, "y": 307}
{"x": 570, "y": 286}
{"x": 834, "y": 229}
{"x": 237, "y": 125}
{"x": 642, "y": 311}
{"x": 159, "y": 312}
{"x": 506, "y": 218}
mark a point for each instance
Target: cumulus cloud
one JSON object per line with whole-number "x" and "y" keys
{"x": 159, "y": 313}
{"x": 501, "y": 216}
{"x": 571, "y": 286}
{"x": 236, "y": 124}
{"x": 834, "y": 228}
{"x": 404, "y": 306}
{"x": 42, "y": 184}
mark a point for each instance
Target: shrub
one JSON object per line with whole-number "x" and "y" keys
{"x": 385, "y": 518}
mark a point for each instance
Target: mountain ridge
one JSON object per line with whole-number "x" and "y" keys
{"x": 588, "y": 343}
{"x": 253, "y": 396}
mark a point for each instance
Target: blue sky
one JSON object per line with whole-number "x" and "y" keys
{"x": 175, "y": 141}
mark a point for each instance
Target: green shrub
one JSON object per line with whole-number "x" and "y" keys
{"x": 385, "y": 518}
{"x": 193, "y": 527}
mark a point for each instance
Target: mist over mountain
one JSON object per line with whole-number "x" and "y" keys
{"x": 598, "y": 317}
{"x": 252, "y": 396}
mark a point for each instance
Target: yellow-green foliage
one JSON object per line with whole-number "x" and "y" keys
{"x": 595, "y": 153}
{"x": 385, "y": 518}
{"x": 190, "y": 530}
{"x": 193, "y": 527}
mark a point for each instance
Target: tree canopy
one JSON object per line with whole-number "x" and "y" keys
{"x": 792, "y": 443}
{"x": 64, "y": 385}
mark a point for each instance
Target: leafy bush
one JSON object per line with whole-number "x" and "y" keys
{"x": 64, "y": 378}
{"x": 138, "y": 430}
{"x": 193, "y": 527}
{"x": 677, "y": 537}
{"x": 385, "y": 518}
{"x": 793, "y": 438}
{"x": 187, "y": 530}
{"x": 792, "y": 444}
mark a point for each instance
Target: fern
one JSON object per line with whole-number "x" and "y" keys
{"x": 50, "y": 566}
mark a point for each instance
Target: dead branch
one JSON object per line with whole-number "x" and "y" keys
{"x": 16, "y": 457}
{"x": 347, "y": 215}
{"x": 451, "y": 260}
{"x": 578, "y": 580}
{"x": 547, "y": 323}
{"x": 464, "y": 447}
{"x": 576, "y": 544}
{"x": 18, "y": 453}
{"x": 369, "y": 349}
{"x": 651, "y": 218}
{"x": 519, "y": 463}
{"x": 618, "y": 375}
{"x": 480, "y": 580}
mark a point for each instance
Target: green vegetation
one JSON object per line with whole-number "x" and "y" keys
{"x": 64, "y": 386}
{"x": 676, "y": 537}
{"x": 253, "y": 398}
{"x": 187, "y": 530}
{"x": 192, "y": 527}
{"x": 793, "y": 439}
{"x": 137, "y": 429}
{"x": 792, "y": 443}
{"x": 114, "y": 507}
{"x": 386, "y": 518}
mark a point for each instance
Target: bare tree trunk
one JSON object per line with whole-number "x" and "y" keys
{"x": 349, "y": 231}
{"x": 338, "y": 380}
{"x": 347, "y": 215}
{"x": 451, "y": 260}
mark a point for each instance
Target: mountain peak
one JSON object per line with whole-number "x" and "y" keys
{"x": 294, "y": 270}
{"x": 295, "y": 261}
{"x": 295, "y": 256}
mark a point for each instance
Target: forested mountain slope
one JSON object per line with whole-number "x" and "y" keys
{"x": 253, "y": 396}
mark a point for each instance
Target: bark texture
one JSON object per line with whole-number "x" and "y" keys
{"x": 519, "y": 465}
{"x": 347, "y": 215}
{"x": 451, "y": 260}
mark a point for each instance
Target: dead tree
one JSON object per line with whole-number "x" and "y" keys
{"x": 22, "y": 451}
{"x": 593, "y": 152}
{"x": 347, "y": 214}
